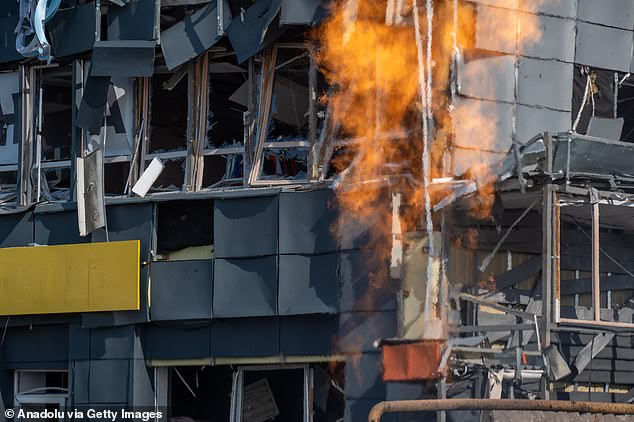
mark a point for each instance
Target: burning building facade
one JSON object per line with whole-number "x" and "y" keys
{"x": 294, "y": 209}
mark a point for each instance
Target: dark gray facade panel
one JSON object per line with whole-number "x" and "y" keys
{"x": 308, "y": 222}
{"x": 299, "y": 12}
{"x": 109, "y": 381}
{"x": 308, "y": 284}
{"x": 79, "y": 380}
{"x": 116, "y": 343}
{"x": 557, "y": 38}
{"x": 618, "y": 13}
{"x": 186, "y": 341}
{"x": 246, "y": 227}
{"x": 603, "y": 47}
{"x": 359, "y": 330}
{"x": 404, "y": 391}
{"x": 59, "y": 228}
{"x": 365, "y": 282}
{"x": 258, "y": 27}
{"x": 72, "y": 30}
{"x": 545, "y": 83}
{"x": 123, "y": 58}
{"x": 245, "y": 337}
{"x": 36, "y": 344}
{"x": 141, "y": 383}
{"x": 308, "y": 335}
{"x": 135, "y": 21}
{"x": 364, "y": 376}
{"x": 78, "y": 342}
{"x": 112, "y": 319}
{"x": 191, "y": 36}
{"x": 129, "y": 222}
{"x": 181, "y": 290}
{"x": 93, "y": 103}
{"x": 8, "y": 52}
{"x": 16, "y": 229}
{"x": 245, "y": 287}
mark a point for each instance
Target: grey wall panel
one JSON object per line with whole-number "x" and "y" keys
{"x": 72, "y": 31}
{"x": 307, "y": 220}
{"x": 141, "y": 383}
{"x": 617, "y": 13}
{"x": 365, "y": 282}
{"x": 545, "y": 83}
{"x": 116, "y": 343}
{"x": 359, "y": 330}
{"x": 7, "y": 39}
{"x": 556, "y": 38}
{"x": 245, "y": 337}
{"x": 488, "y": 78}
{"x": 603, "y": 47}
{"x": 532, "y": 120}
{"x": 308, "y": 284}
{"x": 308, "y": 335}
{"x": 111, "y": 319}
{"x": 16, "y": 229}
{"x": 129, "y": 222}
{"x": 123, "y": 58}
{"x": 245, "y": 287}
{"x": 496, "y": 136}
{"x": 79, "y": 379}
{"x": 58, "y": 228}
{"x": 364, "y": 376}
{"x": 178, "y": 341}
{"x": 298, "y": 12}
{"x": 246, "y": 227}
{"x": 109, "y": 381}
{"x": 135, "y": 21}
{"x": 78, "y": 342}
{"x": 37, "y": 344}
{"x": 181, "y": 290}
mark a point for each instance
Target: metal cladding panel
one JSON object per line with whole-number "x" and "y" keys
{"x": 78, "y": 342}
{"x": 123, "y": 58}
{"x": 500, "y": 69}
{"x": 80, "y": 378}
{"x": 617, "y": 13}
{"x": 313, "y": 335}
{"x": 499, "y": 131}
{"x": 365, "y": 282}
{"x": 16, "y": 229}
{"x": 307, "y": 222}
{"x": 72, "y": 30}
{"x": 8, "y": 52}
{"x": 93, "y": 103}
{"x": 245, "y": 337}
{"x": 116, "y": 343}
{"x": 134, "y": 21}
{"x": 181, "y": 290}
{"x": 109, "y": 381}
{"x": 69, "y": 278}
{"x": 308, "y": 284}
{"x": 245, "y": 287}
{"x": 359, "y": 330}
{"x": 363, "y": 377}
{"x": 256, "y": 28}
{"x": 299, "y": 12}
{"x": 532, "y": 121}
{"x": 191, "y": 36}
{"x": 545, "y": 83}
{"x": 246, "y": 227}
{"x": 183, "y": 341}
{"x": 603, "y": 47}
{"x": 557, "y": 38}
{"x": 38, "y": 343}
{"x": 58, "y": 228}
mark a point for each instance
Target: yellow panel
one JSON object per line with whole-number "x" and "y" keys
{"x": 70, "y": 278}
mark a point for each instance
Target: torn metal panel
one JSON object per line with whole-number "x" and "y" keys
{"x": 191, "y": 36}
{"x": 299, "y": 12}
{"x": 90, "y": 195}
{"x": 123, "y": 58}
{"x": 135, "y": 21}
{"x": 255, "y": 29}
{"x": 181, "y": 290}
{"x": 31, "y": 38}
{"x": 72, "y": 30}
{"x": 591, "y": 350}
{"x": 556, "y": 364}
{"x": 603, "y": 47}
{"x": 93, "y": 103}
{"x": 245, "y": 287}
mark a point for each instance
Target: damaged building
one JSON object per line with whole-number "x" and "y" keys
{"x": 292, "y": 210}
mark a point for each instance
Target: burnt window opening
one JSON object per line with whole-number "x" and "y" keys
{"x": 285, "y": 163}
{"x": 172, "y": 177}
{"x": 184, "y": 224}
{"x": 225, "y": 170}
{"x": 201, "y": 393}
{"x": 54, "y": 87}
{"x": 168, "y": 111}
{"x": 116, "y": 177}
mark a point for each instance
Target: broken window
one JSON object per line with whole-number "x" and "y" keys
{"x": 41, "y": 390}
{"x": 201, "y": 393}
{"x": 185, "y": 229}
{"x": 10, "y": 135}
